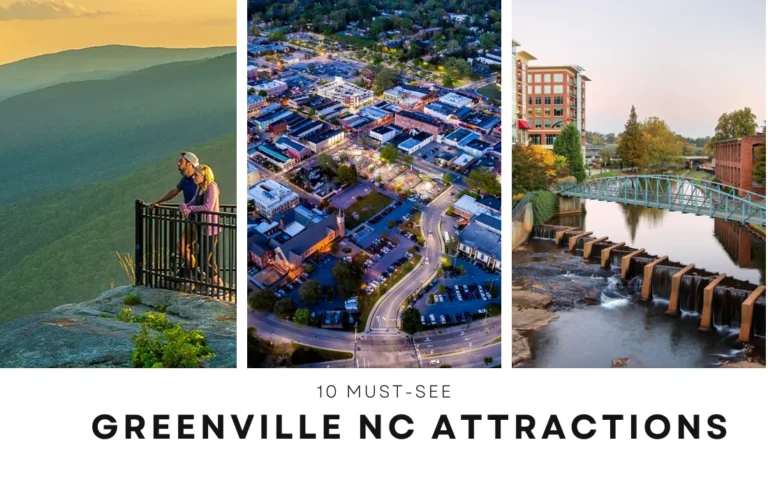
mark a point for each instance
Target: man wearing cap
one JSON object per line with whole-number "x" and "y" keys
{"x": 187, "y": 164}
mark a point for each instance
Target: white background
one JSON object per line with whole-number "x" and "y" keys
{"x": 46, "y": 416}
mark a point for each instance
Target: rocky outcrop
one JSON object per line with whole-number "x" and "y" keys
{"x": 524, "y": 299}
{"x": 529, "y": 313}
{"x": 87, "y": 334}
{"x": 521, "y": 351}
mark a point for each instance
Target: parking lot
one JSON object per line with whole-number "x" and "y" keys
{"x": 431, "y": 151}
{"x": 323, "y": 273}
{"x": 465, "y": 302}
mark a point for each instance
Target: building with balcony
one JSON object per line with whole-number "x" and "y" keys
{"x": 556, "y": 97}
{"x": 520, "y": 126}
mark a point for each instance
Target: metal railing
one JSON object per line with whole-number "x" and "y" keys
{"x": 195, "y": 254}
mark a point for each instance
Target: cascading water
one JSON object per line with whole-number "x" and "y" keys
{"x": 544, "y": 232}
{"x": 597, "y": 249}
{"x": 758, "y": 318}
{"x": 661, "y": 285}
{"x": 580, "y": 243}
{"x": 616, "y": 260}
{"x": 692, "y": 294}
{"x": 637, "y": 265}
{"x": 726, "y": 307}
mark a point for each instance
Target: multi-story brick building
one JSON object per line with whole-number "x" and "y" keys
{"x": 556, "y": 97}
{"x": 520, "y": 125}
{"x": 415, "y": 120}
{"x": 734, "y": 160}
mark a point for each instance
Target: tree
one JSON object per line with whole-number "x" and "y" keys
{"x": 483, "y": 182}
{"x": 448, "y": 80}
{"x": 661, "y": 144}
{"x": 568, "y": 144}
{"x": 447, "y": 178}
{"x": 408, "y": 159}
{"x": 631, "y": 148}
{"x": 411, "y": 320}
{"x": 389, "y": 153}
{"x": 327, "y": 162}
{"x": 277, "y": 35}
{"x": 302, "y": 316}
{"x": 347, "y": 175}
{"x": 605, "y": 157}
{"x": 736, "y": 124}
{"x": 262, "y": 300}
{"x": 284, "y": 307}
{"x": 262, "y": 93}
{"x": 310, "y": 292}
{"x": 309, "y": 268}
{"x": 533, "y": 168}
{"x": 349, "y": 277}
{"x": 384, "y": 80}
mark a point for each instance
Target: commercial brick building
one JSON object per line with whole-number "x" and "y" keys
{"x": 414, "y": 120}
{"x": 734, "y": 160}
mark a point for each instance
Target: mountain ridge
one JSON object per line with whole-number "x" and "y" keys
{"x": 97, "y": 62}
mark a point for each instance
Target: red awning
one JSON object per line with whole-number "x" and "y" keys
{"x": 521, "y": 124}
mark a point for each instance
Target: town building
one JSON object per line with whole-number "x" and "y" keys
{"x": 264, "y": 120}
{"x": 416, "y": 142}
{"x": 556, "y": 98}
{"x": 383, "y": 134}
{"x": 490, "y": 57}
{"x": 293, "y": 148}
{"x": 407, "y": 95}
{"x": 456, "y": 100}
{"x": 317, "y": 236}
{"x": 468, "y": 207}
{"x": 414, "y": 120}
{"x": 271, "y": 153}
{"x": 271, "y": 198}
{"x": 255, "y": 102}
{"x": 481, "y": 240}
{"x": 320, "y": 141}
{"x": 347, "y": 93}
{"x": 735, "y": 159}
{"x": 441, "y": 111}
{"x": 272, "y": 88}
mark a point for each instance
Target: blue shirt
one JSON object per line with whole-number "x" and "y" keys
{"x": 189, "y": 187}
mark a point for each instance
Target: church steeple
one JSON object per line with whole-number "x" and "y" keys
{"x": 340, "y": 222}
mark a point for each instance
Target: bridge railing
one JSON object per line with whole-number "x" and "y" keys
{"x": 519, "y": 208}
{"x": 195, "y": 254}
{"x": 702, "y": 197}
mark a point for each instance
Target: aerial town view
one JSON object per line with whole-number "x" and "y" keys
{"x": 639, "y": 242}
{"x": 374, "y": 170}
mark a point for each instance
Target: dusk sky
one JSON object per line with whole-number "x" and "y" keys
{"x": 684, "y": 61}
{"x": 33, "y": 27}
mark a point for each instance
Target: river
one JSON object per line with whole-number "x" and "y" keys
{"x": 601, "y": 318}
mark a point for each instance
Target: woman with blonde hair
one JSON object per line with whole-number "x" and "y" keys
{"x": 206, "y": 205}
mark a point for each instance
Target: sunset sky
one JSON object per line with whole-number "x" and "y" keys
{"x": 684, "y": 61}
{"x": 33, "y": 27}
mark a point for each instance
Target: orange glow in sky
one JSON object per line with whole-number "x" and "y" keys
{"x": 34, "y": 27}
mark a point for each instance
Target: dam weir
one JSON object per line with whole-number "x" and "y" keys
{"x": 719, "y": 301}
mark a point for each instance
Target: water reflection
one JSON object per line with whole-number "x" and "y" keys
{"x": 711, "y": 244}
